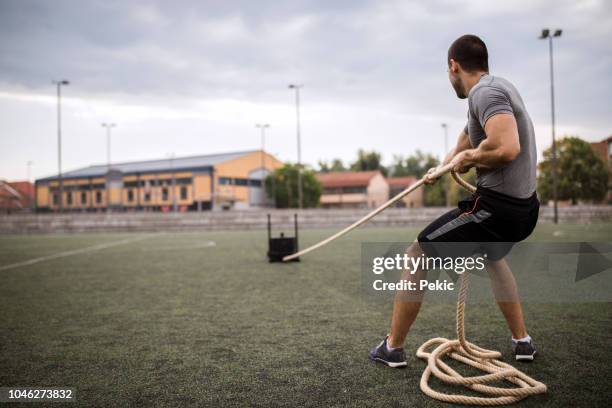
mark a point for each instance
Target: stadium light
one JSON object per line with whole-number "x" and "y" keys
{"x": 59, "y": 140}
{"x": 546, "y": 35}
{"x": 299, "y": 143}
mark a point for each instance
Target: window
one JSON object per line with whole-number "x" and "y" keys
{"x": 130, "y": 195}
{"x": 353, "y": 190}
{"x": 69, "y": 198}
{"x": 165, "y": 194}
{"x": 183, "y": 193}
{"x": 227, "y": 181}
{"x": 98, "y": 197}
{"x": 345, "y": 190}
{"x": 83, "y": 198}
{"x": 55, "y": 199}
{"x": 147, "y": 197}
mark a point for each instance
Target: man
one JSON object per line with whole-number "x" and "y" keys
{"x": 499, "y": 141}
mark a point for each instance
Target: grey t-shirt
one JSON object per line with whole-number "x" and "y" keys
{"x": 490, "y": 96}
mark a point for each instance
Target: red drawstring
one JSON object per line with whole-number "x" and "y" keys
{"x": 473, "y": 208}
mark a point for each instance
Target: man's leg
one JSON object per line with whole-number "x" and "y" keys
{"x": 506, "y": 294}
{"x": 408, "y": 303}
{"x": 406, "y": 306}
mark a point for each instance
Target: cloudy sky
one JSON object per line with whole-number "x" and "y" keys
{"x": 193, "y": 77}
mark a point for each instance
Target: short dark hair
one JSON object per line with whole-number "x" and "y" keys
{"x": 470, "y": 52}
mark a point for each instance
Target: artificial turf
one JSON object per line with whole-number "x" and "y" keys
{"x": 173, "y": 320}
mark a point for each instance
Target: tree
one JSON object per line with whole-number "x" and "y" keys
{"x": 581, "y": 174}
{"x": 434, "y": 195}
{"x": 414, "y": 165}
{"x": 456, "y": 192}
{"x": 417, "y": 165}
{"x": 283, "y": 183}
{"x": 336, "y": 165}
{"x": 368, "y": 161}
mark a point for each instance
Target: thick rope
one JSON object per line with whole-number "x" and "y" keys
{"x": 470, "y": 354}
{"x": 462, "y": 182}
{"x": 483, "y": 359}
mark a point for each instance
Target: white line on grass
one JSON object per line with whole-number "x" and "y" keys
{"x": 74, "y": 252}
{"x": 205, "y": 244}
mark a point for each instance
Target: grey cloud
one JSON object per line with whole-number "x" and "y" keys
{"x": 245, "y": 49}
{"x": 383, "y": 55}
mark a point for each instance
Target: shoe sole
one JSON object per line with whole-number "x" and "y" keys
{"x": 525, "y": 357}
{"x": 388, "y": 363}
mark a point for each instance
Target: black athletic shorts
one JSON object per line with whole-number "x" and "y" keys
{"x": 487, "y": 223}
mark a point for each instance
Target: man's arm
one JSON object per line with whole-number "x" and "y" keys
{"x": 500, "y": 147}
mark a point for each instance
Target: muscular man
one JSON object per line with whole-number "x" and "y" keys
{"x": 499, "y": 141}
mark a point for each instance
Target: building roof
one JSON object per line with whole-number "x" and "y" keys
{"x": 346, "y": 178}
{"x": 11, "y": 198}
{"x": 25, "y": 188}
{"x": 401, "y": 182}
{"x": 151, "y": 166}
{"x": 6, "y": 190}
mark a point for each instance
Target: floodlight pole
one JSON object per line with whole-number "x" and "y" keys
{"x": 108, "y": 127}
{"x": 445, "y": 127}
{"x": 32, "y": 205}
{"x": 262, "y": 127}
{"x": 299, "y": 144}
{"x": 547, "y": 35}
{"x": 59, "y": 141}
{"x": 173, "y": 183}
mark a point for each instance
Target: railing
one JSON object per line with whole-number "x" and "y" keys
{"x": 255, "y": 219}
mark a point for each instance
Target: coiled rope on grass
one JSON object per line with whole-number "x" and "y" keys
{"x": 465, "y": 352}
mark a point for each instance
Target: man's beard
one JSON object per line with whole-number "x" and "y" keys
{"x": 456, "y": 83}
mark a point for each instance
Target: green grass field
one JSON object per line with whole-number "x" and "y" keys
{"x": 171, "y": 320}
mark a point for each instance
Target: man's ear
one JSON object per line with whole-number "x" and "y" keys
{"x": 454, "y": 66}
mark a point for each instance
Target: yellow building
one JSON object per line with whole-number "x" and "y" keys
{"x": 215, "y": 181}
